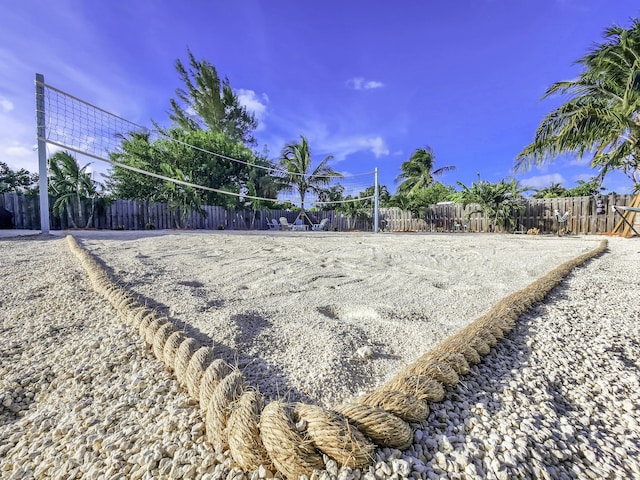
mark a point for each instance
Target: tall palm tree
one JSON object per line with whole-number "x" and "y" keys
{"x": 298, "y": 174}
{"x": 71, "y": 185}
{"x": 603, "y": 115}
{"x": 417, "y": 172}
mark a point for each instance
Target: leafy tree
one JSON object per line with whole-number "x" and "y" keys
{"x": 360, "y": 207}
{"x": 602, "y": 117}
{"x": 400, "y": 200}
{"x": 260, "y": 184}
{"x": 332, "y": 194}
{"x": 209, "y": 170}
{"x": 351, "y": 208}
{"x": 335, "y": 194}
{"x": 298, "y": 174}
{"x": 137, "y": 151}
{"x": 21, "y": 181}
{"x": 383, "y": 194}
{"x": 210, "y": 103}
{"x": 72, "y": 185}
{"x": 182, "y": 199}
{"x": 554, "y": 190}
{"x": 422, "y": 198}
{"x": 417, "y": 172}
{"x": 498, "y": 201}
{"x": 434, "y": 193}
{"x": 585, "y": 189}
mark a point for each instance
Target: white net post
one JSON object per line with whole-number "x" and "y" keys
{"x": 42, "y": 154}
{"x": 376, "y": 202}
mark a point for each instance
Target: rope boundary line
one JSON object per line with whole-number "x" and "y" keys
{"x": 291, "y": 437}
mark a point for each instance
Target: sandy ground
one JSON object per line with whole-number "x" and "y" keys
{"x": 82, "y": 397}
{"x": 292, "y": 310}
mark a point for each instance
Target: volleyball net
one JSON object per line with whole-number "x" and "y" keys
{"x": 69, "y": 123}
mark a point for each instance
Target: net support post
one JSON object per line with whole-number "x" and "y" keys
{"x": 376, "y": 202}
{"x": 42, "y": 155}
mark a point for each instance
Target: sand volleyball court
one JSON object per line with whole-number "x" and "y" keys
{"x": 320, "y": 319}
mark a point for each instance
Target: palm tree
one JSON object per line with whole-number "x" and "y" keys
{"x": 182, "y": 199}
{"x": 417, "y": 172}
{"x": 298, "y": 175}
{"x": 603, "y": 115}
{"x": 71, "y": 185}
{"x": 261, "y": 184}
{"x": 554, "y": 190}
{"x": 497, "y": 201}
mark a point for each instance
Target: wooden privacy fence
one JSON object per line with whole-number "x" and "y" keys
{"x": 589, "y": 215}
{"x": 143, "y": 215}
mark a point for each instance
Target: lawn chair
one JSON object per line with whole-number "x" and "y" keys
{"x": 284, "y": 224}
{"x": 318, "y": 227}
{"x": 562, "y": 222}
{"x": 625, "y": 212}
{"x": 273, "y": 224}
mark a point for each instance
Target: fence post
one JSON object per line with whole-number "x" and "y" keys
{"x": 42, "y": 155}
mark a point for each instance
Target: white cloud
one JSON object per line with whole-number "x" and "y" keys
{"x": 583, "y": 161}
{"x": 340, "y": 148}
{"x": 373, "y": 84}
{"x": 18, "y": 151}
{"x": 378, "y": 147}
{"x": 359, "y": 83}
{"x": 254, "y": 104}
{"x": 6, "y": 105}
{"x": 18, "y": 156}
{"x": 339, "y": 135}
{"x": 541, "y": 181}
{"x": 17, "y": 138}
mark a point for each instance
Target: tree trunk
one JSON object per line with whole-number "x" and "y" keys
{"x": 91, "y": 213}
{"x": 80, "y": 214}
{"x": 70, "y": 216}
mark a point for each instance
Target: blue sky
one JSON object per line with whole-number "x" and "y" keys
{"x": 367, "y": 82}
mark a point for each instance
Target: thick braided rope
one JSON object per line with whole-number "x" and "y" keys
{"x": 171, "y": 345}
{"x": 502, "y": 316}
{"x": 199, "y": 363}
{"x": 182, "y": 359}
{"x": 324, "y": 427}
{"x": 228, "y": 391}
{"x": 245, "y": 444}
{"x": 291, "y": 453}
{"x": 160, "y": 339}
{"x": 210, "y": 379}
{"x": 405, "y": 405}
{"x": 289, "y": 437}
{"x": 384, "y": 428}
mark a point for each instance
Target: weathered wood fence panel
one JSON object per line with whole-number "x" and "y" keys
{"x": 25, "y": 209}
{"x": 588, "y": 215}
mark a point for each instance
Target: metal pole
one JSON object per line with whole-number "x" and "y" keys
{"x": 376, "y": 202}
{"x": 42, "y": 155}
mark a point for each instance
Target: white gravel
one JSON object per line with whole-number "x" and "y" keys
{"x": 81, "y": 397}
